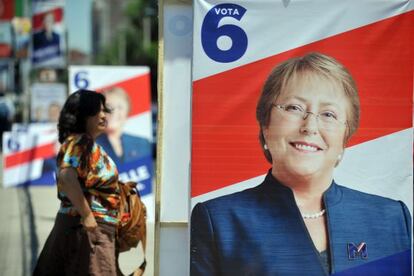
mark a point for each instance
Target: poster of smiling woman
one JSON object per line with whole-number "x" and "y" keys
{"x": 302, "y": 138}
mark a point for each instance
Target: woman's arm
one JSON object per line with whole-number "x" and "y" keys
{"x": 68, "y": 181}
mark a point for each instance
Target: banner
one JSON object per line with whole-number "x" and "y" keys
{"x": 48, "y": 34}
{"x": 236, "y": 46}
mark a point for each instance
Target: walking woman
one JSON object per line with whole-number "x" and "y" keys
{"x": 82, "y": 241}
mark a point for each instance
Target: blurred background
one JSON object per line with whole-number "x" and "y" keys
{"x": 40, "y": 41}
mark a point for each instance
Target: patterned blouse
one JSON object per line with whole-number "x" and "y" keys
{"x": 97, "y": 175}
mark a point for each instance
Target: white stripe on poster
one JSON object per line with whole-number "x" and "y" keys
{"x": 285, "y": 27}
{"x": 373, "y": 167}
{"x": 20, "y": 174}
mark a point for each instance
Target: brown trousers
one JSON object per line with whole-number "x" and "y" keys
{"x": 71, "y": 250}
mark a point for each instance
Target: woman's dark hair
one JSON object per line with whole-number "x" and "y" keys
{"x": 77, "y": 108}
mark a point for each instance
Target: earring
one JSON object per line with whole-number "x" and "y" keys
{"x": 265, "y": 147}
{"x": 338, "y": 160}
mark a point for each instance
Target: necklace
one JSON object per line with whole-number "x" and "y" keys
{"x": 314, "y": 215}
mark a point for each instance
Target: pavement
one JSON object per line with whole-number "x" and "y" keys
{"x": 26, "y": 218}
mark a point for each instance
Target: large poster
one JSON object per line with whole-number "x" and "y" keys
{"x": 128, "y": 139}
{"x": 308, "y": 105}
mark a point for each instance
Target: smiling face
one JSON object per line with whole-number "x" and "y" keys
{"x": 120, "y": 108}
{"x": 301, "y": 148}
{"x": 96, "y": 125}
{"x": 48, "y": 22}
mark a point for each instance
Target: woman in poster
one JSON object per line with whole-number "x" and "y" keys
{"x": 122, "y": 147}
{"x": 299, "y": 221}
{"x": 46, "y": 43}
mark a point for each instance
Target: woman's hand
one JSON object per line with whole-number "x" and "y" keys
{"x": 69, "y": 183}
{"x": 89, "y": 222}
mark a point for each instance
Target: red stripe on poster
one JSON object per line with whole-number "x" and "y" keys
{"x": 38, "y": 18}
{"x": 138, "y": 90}
{"x": 19, "y": 158}
{"x": 225, "y": 146}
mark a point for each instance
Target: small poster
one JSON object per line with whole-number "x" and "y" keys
{"x": 46, "y": 102}
{"x": 48, "y": 34}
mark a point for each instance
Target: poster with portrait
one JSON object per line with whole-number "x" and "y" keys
{"x": 29, "y": 152}
{"x": 298, "y": 134}
{"x": 46, "y": 101}
{"x": 48, "y": 34}
{"x": 128, "y": 139}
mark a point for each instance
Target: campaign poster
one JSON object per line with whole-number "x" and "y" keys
{"x": 29, "y": 154}
{"x": 128, "y": 140}
{"x": 47, "y": 100}
{"x": 48, "y": 34}
{"x": 270, "y": 228}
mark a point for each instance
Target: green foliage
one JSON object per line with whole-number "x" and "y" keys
{"x": 127, "y": 48}
{"x": 108, "y": 56}
{"x": 130, "y": 38}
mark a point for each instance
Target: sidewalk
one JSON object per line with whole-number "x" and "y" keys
{"x": 12, "y": 240}
{"x": 26, "y": 216}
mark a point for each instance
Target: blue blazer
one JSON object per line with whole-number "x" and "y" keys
{"x": 260, "y": 231}
{"x": 40, "y": 40}
{"x": 134, "y": 148}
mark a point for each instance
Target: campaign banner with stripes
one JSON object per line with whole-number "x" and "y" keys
{"x": 29, "y": 152}
{"x": 235, "y": 47}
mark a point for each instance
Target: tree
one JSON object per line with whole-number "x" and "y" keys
{"x": 136, "y": 42}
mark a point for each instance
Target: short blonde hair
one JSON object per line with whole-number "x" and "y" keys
{"x": 314, "y": 63}
{"x": 120, "y": 92}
